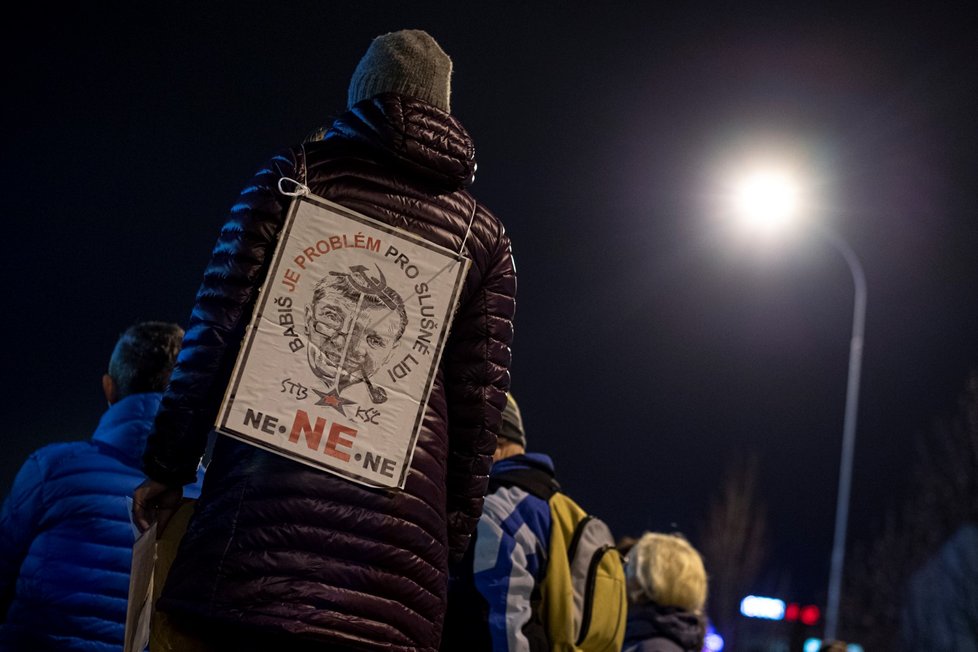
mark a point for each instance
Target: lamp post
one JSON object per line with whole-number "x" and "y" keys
{"x": 769, "y": 199}
{"x": 848, "y": 431}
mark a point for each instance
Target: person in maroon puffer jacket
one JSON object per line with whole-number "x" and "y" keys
{"x": 279, "y": 553}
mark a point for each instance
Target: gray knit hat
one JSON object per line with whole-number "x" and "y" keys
{"x": 408, "y": 62}
{"x": 513, "y": 422}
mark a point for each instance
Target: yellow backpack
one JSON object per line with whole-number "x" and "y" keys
{"x": 583, "y": 590}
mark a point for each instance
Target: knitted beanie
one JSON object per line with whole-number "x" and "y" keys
{"x": 513, "y": 422}
{"x": 408, "y": 62}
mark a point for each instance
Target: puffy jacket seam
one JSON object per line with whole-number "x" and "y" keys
{"x": 402, "y": 126}
{"x": 413, "y": 525}
{"x": 274, "y": 616}
{"x": 218, "y": 573}
{"x": 372, "y": 596}
{"x": 359, "y": 537}
{"x": 445, "y": 153}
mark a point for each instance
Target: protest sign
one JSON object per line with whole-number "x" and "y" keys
{"x": 344, "y": 344}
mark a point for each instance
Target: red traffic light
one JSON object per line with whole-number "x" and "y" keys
{"x": 810, "y": 614}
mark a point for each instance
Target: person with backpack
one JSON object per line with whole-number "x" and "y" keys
{"x": 540, "y": 573}
{"x": 667, "y": 592}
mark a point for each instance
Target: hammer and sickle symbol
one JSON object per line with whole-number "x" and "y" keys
{"x": 369, "y": 285}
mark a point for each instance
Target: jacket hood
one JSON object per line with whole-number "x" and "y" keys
{"x": 648, "y": 620}
{"x": 538, "y": 461}
{"x": 126, "y": 424}
{"x": 415, "y": 135}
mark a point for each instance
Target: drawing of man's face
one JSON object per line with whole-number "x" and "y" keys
{"x": 349, "y": 342}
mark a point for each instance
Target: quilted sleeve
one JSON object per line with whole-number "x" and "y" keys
{"x": 476, "y": 381}
{"x": 236, "y": 270}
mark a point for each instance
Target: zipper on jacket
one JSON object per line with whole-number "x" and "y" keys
{"x": 576, "y": 539}
{"x": 592, "y": 572}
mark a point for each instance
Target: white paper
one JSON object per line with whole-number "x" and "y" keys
{"x": 344, "y": 344}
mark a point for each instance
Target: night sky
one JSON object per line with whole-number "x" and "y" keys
{"x": 654, "y": 346}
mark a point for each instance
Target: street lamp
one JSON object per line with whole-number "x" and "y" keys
{"x": 848, "y": 431}
{"x": 769, "y": 200}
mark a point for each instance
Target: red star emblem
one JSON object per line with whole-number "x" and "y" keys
{"x": 333, "y": 399}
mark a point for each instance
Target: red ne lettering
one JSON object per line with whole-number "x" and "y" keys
{"x": 335, "y": 438}
{"x": 339, "y": 435}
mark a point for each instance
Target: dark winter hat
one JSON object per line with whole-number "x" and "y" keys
{"x": 513, "y": 422}
{"x": 408, "y": 62}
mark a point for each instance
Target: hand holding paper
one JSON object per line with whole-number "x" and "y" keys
{"x": 154, "y": 501}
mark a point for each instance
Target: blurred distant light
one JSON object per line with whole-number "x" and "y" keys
{"x": 810, "y": 614}
{"x": 813, "y": 645}
{"x": 766, "y": 199}
{"x": 713, "y": 642}
{"x": 754, "y": 606}
{"x": 791, "y": 612}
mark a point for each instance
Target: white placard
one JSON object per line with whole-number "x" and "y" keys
{"x": 344, "y": 345}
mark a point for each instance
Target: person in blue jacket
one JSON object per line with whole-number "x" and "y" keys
{"x": 494, "y": 602}
{"x": 65, "y": 533}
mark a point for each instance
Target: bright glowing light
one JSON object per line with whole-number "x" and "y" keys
{"x": 810, "y": 614}
{"x": 758, "y": 607}
{"x": 791, "y": 612}
{"x": 713, "y": 642}
{"x": 767, "y": 199}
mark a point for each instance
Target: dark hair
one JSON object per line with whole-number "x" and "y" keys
{"x": 143, "y": 357}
